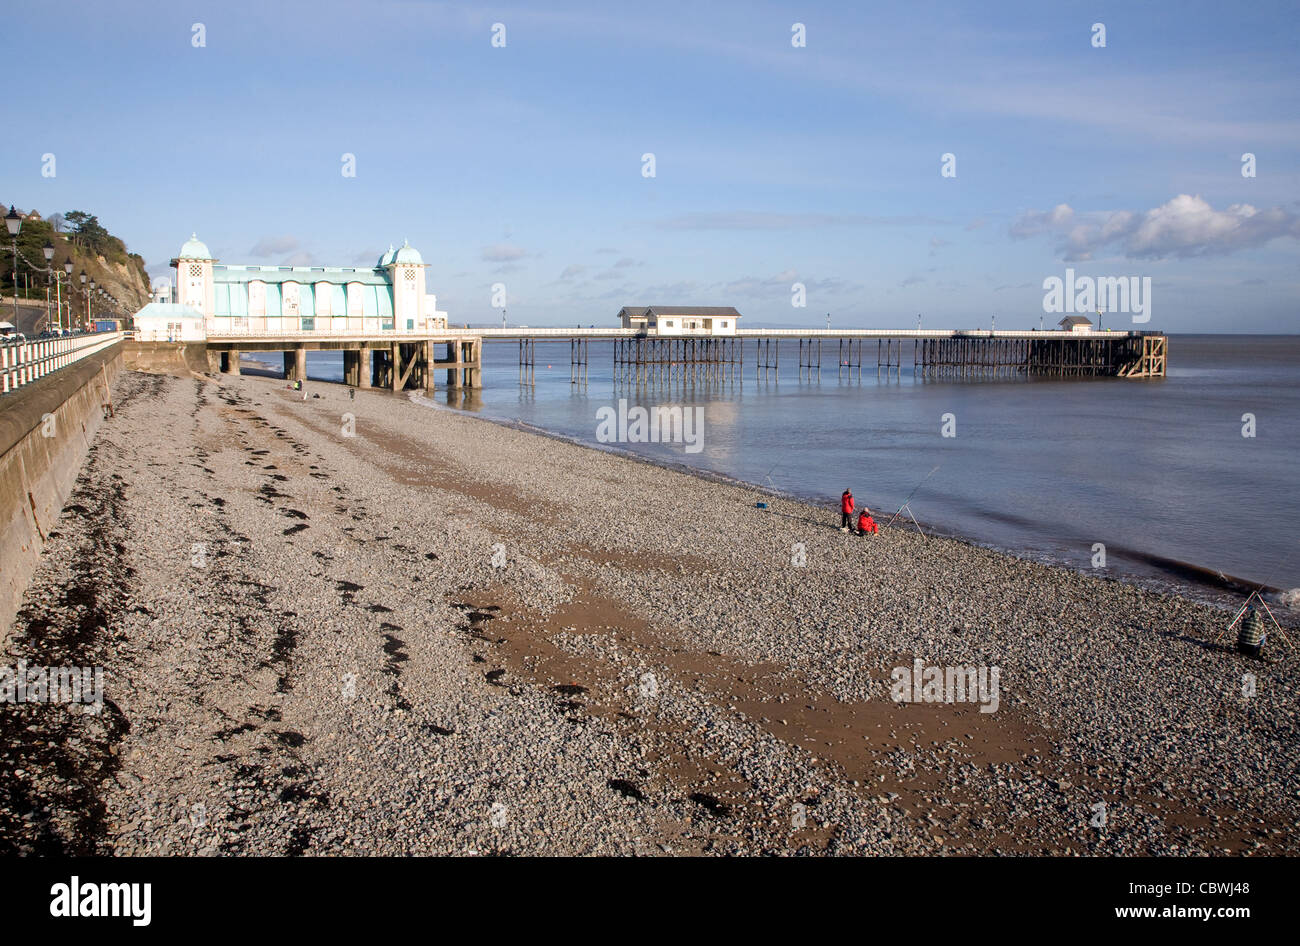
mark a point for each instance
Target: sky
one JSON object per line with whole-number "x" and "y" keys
{"x": 774, "y": 164}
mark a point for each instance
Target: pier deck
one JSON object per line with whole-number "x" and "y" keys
{"x": 401, "y": 360}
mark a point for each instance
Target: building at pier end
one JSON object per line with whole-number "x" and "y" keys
{"x": 235, "y": 299}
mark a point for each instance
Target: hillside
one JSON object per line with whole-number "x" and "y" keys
{"x": 78, "y": 236}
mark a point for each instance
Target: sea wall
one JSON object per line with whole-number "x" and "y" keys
{"x": 181, "y": 359}
{"x": 45, "y": 430}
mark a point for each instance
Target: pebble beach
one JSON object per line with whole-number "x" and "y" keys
{"x": 363, "y": 625}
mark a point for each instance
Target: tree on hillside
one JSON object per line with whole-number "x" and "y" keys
{"x": 58, "y": 223}
{"x": 75, "y": 218}
{"x": 90, "y": 236}
{"x": 31, "y": 242}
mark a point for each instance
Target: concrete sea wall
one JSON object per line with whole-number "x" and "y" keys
{"x": 46, "y": 429}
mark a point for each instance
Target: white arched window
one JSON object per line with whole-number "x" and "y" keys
{"x": 256, "y": 299}
{"x": 324, "y": 296}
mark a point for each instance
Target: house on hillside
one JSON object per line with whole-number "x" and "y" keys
{"x": 680, "y": 320}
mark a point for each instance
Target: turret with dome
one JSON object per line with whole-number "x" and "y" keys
{"x": 194, "y": 248}
{"x": 407, "y": 254}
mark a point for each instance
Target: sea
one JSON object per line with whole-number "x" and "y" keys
{"x": 1189, "y": 481}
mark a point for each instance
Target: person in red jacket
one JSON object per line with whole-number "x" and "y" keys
{"x": 846, "y": 510}
{"x": 866, "y": 523}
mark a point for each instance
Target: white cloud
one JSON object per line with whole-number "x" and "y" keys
{"x": 503, "y": 253}
{"x": 780, "y": 285}
{"x": 667, "y": 293}
{"x": 274, "y": 246}
{"x": 1183, "y": 227}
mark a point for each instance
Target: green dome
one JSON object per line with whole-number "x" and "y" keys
{"x": 194, "y": 248}
{"x": 387, "y": 257}
{"x": 408, "y": 254}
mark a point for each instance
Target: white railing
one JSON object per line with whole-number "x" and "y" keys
{"x": 525, "y": 332}
{"x": 561, "y": 333}
{"x": 27, "y": 361}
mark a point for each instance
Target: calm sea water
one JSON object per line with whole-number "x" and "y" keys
{"x": 1158, "y": 471}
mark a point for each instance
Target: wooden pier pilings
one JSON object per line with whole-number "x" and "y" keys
{"x": 678, "y": 360}
{"x": 984, "y": 356}
{"x": 1055, "y": 355}
{"x": 396, "y": 364}
{"x": 405, "y": 362}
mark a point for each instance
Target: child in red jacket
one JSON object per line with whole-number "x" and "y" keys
{"x": 866, "y": 523}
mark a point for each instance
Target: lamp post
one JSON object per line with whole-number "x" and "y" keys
{"x": 14, "y": 223}
{"x": 90, "y": 313}
{"x": 67, "y": 271}
{"x": 48, "y": 251}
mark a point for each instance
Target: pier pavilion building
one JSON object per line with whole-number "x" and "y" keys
{"x": 234, "y": 299}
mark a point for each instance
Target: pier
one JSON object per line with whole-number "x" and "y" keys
{"x": 412, "y": 361}
{"x": 397, "y": 361}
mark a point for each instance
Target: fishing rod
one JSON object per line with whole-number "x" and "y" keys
{"x": 767, "y": 477}
{"x": 909, "y": 499}
{"x": 1257, "y": 594}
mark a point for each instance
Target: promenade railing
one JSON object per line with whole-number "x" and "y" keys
{"x": 22, "y": 362}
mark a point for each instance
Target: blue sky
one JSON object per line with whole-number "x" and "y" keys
{"x": 522, "y": 165}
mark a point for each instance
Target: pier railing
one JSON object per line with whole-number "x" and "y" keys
{"x": 639, "y": 355}
{"x": 22, "y": 362}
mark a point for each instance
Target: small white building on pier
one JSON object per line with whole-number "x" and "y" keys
{"x": 680, "y": 320}
{"x": 169, "y": 322}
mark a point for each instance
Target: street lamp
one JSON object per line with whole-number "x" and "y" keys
{"x": 14, "y": 223}
{"x": 67, "y": 271}
{"x": 48, "y": 251}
